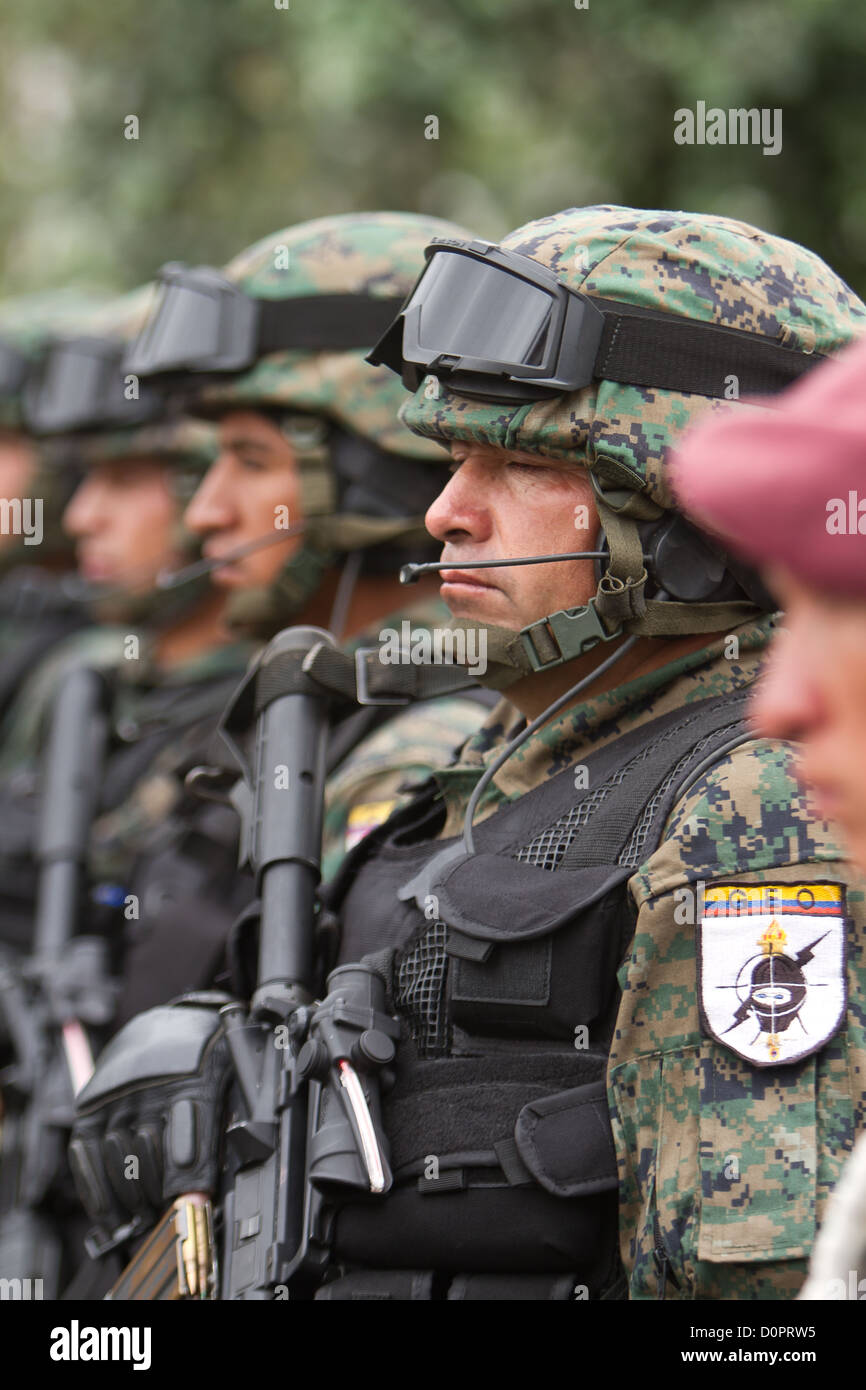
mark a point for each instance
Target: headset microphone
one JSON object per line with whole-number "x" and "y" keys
{"x": 410, "y": 574}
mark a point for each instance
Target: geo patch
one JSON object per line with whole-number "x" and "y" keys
{"x": 771, "y": 968}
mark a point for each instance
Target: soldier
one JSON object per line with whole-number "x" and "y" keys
{"x": 312, "y": 457}
{"x": 172, "y": 664}
{"x": 165, "y": 650}
{"x": 632, "y": 833}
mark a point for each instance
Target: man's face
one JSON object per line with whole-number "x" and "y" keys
{"x": 814, "y": 691}
{"x": 246, "y": 495}
{"x": 122, "y": 517}
{"x": 500, "y": 504}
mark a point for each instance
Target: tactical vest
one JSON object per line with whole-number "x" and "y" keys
{"x": 504, "y": 1166}
{"x": 163, "y": 715}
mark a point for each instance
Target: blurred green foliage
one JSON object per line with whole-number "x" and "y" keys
{"x": 252, "y": 117}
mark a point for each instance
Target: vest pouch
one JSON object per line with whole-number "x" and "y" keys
{"x": 464, "y": 1200}
{"x": 538, "y": 968}
{"x": 566, "y": 1142}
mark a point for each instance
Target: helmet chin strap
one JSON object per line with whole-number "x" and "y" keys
{"x": 577, "y": 689}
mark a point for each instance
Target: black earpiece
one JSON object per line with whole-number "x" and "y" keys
{"x": 691, "y": 567}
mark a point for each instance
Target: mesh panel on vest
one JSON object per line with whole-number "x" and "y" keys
{"x": 421, "y": 969}
{"x": 633, "y": 855}
{"x": 419, "y": 991}
{"x": 545, "y": 851}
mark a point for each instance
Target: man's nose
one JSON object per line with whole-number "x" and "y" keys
{"x": 211, "y": 507}
{"x": 461, "y": 509}
{"x": 82, "y": 514}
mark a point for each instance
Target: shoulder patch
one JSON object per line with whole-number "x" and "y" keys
{"x": 771, "y": 968}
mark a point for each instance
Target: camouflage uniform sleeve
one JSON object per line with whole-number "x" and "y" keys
{"x": 366, "y": 787}
{"x": 727, "y": 1154}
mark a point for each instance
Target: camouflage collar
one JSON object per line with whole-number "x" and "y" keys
{"x": 594, "y": 722}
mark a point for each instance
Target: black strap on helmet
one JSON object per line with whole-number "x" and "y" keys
{"x": 319, "y": 322}
{"x": 202, "y": 322}
{"x": 649, "y": 347}
{"x": 529, "y": 336}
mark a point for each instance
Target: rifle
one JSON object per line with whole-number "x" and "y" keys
{"x": 46, "y": 999}
{"x": 287, "y": 1149}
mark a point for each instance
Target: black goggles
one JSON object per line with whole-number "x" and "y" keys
{"x": 13, "y": 370}
{"x": 496, "y": 325}
{"x": 78, "y": 384}
{"x": 201, "y": 322}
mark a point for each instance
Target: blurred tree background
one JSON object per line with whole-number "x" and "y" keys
{"x": 252, "y": 117}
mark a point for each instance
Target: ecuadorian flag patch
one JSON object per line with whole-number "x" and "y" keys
{"x": 771, "y": 968}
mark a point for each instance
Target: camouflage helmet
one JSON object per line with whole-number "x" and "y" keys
{"x": 705, "y": 269}
{"x": 90, "y": 415}
{"x": 79, "y": 394}
{"x": 366, "y": 481}
{"x": 27, "y": 323}
{"x": 375, "y": 254}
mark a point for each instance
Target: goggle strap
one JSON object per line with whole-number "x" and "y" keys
{"x": 324, "y": 322}
{"x": 644, "y": 347}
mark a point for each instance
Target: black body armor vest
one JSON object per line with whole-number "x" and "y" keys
{"x": 502, "y": 967}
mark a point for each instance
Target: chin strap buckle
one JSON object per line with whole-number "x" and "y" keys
{"x": 562, "y": 636}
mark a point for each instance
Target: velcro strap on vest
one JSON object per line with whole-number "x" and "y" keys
{"x": 566, "y": 1142}
{"x": 562, "y": 1142}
